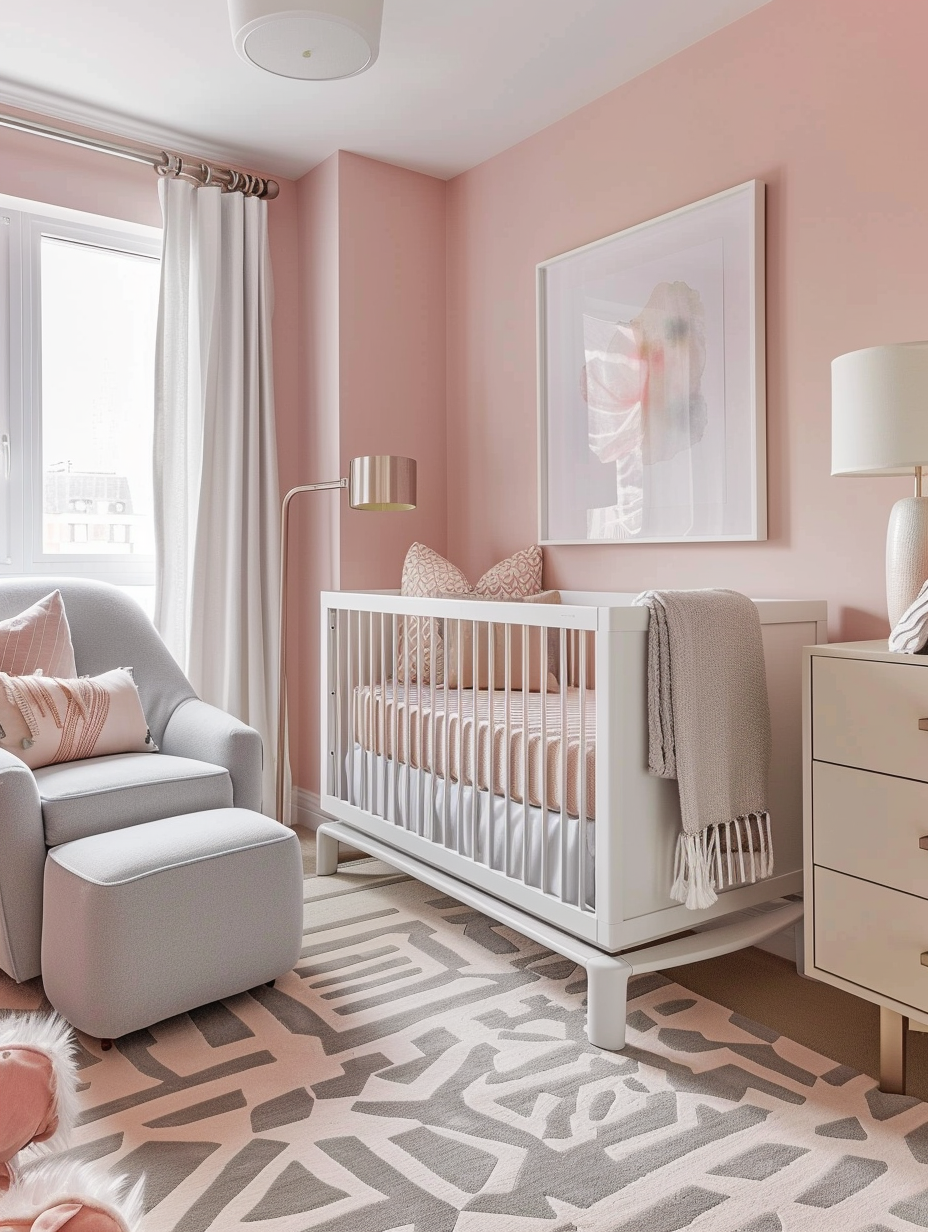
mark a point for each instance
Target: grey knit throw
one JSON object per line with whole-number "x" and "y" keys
{"x": 709, "y": 728}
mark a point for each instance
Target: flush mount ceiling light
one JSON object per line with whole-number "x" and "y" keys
{"x": 313, "y": 40}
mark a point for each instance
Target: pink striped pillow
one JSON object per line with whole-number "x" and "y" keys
{"x": 38, "y": 640}
{"x": 44, "y": 721}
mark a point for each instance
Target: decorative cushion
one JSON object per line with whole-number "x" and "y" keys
{"x": 427, "y": 574}
{"x": 44, "y": 720}
{"x": 911, "y": 632}
{"x": 102, "y": 794}
{"x": 463, "y": 630}
{"x": 38, "y": 640}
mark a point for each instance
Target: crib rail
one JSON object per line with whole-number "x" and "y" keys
{"x": 472, "y": 726}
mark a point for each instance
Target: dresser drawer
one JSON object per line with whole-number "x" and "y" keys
{"x": 866, "y": 714}
{"x": 869, "y": 825}
{"x": 872, "y": 936}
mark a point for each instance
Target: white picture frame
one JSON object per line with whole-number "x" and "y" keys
{"x": 652, "y": 381}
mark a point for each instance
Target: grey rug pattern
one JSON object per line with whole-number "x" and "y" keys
{"x": 426, "y": 1070}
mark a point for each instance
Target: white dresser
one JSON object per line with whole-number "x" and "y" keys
{"x": 865, "y": 721}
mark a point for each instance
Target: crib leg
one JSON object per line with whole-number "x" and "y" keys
{"x": 606, "y": 997}
{"x": 326, "y": 853}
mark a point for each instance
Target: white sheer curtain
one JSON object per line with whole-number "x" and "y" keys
{"x": 216, "y": 494}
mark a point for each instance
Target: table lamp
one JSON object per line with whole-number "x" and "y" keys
{"x": 375, "y": 483}
{"x": 879, "y": 426}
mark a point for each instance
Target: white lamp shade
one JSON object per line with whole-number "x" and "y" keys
{"x": 879, "y": 410}
{"x": 313, "y": 40}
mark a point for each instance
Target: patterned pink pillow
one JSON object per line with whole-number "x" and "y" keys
{"x": 44, "y": 721}
{"x": 38, "y": 640}
{"x": 427, "y": 574}
{"x": 516, "y": 577}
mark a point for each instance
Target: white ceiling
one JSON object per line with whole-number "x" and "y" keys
{"x": 456, "y": 82}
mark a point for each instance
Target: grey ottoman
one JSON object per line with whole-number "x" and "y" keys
{"x": 153, "y": 920}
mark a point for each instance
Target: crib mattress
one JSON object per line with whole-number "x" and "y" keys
{"x": 449, "y": 731}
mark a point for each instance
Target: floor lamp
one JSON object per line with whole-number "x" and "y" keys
{"x": 376, "y": 482}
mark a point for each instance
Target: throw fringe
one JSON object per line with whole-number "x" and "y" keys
{"x": 703, "y": 862}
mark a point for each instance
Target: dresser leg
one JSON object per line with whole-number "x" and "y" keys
{"x": 893, "y": 1032}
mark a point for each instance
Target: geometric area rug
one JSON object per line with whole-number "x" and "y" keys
{"x": 427, "y": 1070}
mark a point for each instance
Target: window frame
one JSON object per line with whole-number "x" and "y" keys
{"x": 22, "y": 228}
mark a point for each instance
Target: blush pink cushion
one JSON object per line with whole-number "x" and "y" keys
{"x": 44, "y": 720}
{"x": 427, "y": 574}
{"x": 28, "y": 1106}
{"x": 458, "y": 639}
{"x": 38, "y": 640}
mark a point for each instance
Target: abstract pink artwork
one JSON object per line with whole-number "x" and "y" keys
{"x": 651, "y": 380}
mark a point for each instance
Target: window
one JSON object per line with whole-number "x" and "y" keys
{"x": 78, "y": 317}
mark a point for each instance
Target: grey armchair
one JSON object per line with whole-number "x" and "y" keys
{"x": 207, "y": 759}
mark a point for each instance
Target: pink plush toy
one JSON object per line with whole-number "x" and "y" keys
{"x": 39, "y": 1193}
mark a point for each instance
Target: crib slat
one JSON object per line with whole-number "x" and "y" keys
{"x": 336, "y": 701}
{"x": 507, "y": 702}
{"x": 433, "y": 742}
{"x": 420, "y": 656}
{"x": 460, "y": 803}
{"x": 581, "y": 781}
{"x": 384, "y": 763}
{"x": 474, "y": 745}
{"x": 563, "y": 760}
{"x": 544, "y": 759}
{"x": 491, "y": 742}
{"x": 395, "y": 739}
{"x": 352, "y": 734}
{"x": 407, "y": 688}
{"x": 372, "y": 725}
{"x": 525, "y": 758}
{"x": 446, "y": 733}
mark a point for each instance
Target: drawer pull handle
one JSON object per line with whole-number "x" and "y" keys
{"x": 925, "y": 958}
{"x": 923, "y": 724}
{"x": 923, "y": 842}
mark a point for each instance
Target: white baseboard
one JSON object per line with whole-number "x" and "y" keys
{"x": 304, "y": 809}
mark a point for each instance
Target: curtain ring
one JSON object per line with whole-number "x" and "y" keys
{"x": 171, "y": 165}
{"x": 207, "y": 173}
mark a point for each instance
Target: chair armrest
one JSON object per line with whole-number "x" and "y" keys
{"x": 22, "y": 867}
{"x": 203, "y": 732}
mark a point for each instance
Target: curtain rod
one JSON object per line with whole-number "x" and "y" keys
{"x": 164, "y": 163}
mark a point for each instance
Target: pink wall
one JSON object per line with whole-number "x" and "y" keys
{"x": 314, "y": 558}
{"x": 392, "y": 352}
{"x": 371, "y": 262}
{"x": 827, "y": 102}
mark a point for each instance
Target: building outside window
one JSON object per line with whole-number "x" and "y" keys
{"x": 78, "y": 316}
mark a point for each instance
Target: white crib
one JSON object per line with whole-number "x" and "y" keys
{"x": 536, "y": 807}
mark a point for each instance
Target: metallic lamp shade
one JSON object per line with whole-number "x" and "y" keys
{"x": 382, "y": 482}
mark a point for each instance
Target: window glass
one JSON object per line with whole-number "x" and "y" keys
{"x": 98, "y": 321}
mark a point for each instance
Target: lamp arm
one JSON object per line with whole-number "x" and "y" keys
{"x": 282, "y": 629}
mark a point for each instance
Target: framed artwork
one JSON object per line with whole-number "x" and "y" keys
{"x": 651, "y": 380}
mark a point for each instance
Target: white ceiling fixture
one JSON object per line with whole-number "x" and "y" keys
{"x": 456, "y": 81}
{"x": 312, "y": 40}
